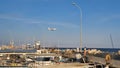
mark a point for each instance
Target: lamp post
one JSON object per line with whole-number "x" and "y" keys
{"x": 80, "y": 24}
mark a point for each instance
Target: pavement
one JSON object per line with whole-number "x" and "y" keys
{"x": 115, "y": 63}
{"x": 64, "y": 65}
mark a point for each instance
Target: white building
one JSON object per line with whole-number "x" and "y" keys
{"x": 37, "y": 45}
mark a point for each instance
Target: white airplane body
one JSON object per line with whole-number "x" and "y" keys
{"x": 51, "y": 29}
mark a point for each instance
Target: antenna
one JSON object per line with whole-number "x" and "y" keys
{"x": 112, "y": 56}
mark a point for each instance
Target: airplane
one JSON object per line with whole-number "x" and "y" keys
{"x": 51, "y": 29}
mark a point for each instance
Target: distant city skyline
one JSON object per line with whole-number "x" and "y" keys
{"x": 25, "y": 21}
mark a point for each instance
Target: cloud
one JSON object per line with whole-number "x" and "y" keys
{"x": 8, "y": 17}
{"x": 17, "y": 18}
{"x": 63, "y": 24}
{"x": 104, "y": 18}
{"x": 107, "y": 19}
{"x": 36, "y": 21}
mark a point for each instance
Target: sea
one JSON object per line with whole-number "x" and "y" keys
{"x": 101, "y": 49}
{"x": 110, "y": 50}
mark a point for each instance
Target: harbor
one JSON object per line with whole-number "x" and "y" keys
{"x": 59, "y": 34}
{"x": 55, "y": 58}
{"x": 37, "y": 56}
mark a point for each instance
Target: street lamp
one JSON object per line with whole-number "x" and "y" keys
{"x": 80, "y": 24}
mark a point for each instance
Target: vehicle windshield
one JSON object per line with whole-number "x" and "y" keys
{"x": 43, "y": 59}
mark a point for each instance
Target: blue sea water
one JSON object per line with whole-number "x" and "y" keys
{"x": 109, "y": 49}
{"x": 32, "y": 51}
{"x": 102, "y": 49}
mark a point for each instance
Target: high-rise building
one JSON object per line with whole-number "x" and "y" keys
{"x": 11, "y": 46}
{"x": 37, "y": 45}
{"x": 28, "y": 46}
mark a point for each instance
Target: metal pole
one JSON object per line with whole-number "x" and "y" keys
{"x": 111, "y": 41}
{"x": 80, "y": 24}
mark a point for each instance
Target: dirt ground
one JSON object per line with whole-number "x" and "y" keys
{"x": 64, "y": 65}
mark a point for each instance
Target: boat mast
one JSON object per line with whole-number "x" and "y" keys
{"x": 111, "y": 41}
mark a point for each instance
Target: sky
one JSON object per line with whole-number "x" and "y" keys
{"x": 26, "y": 21}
